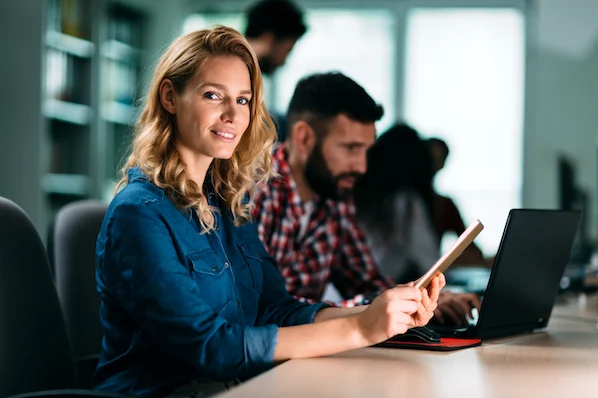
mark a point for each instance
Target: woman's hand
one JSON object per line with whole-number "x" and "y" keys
{"x": 341, "y": 329}
{"x": 398, "y": 309}
{"x": 430, "y": 296}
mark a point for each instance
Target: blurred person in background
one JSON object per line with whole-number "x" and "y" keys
{"x": 395, "y": 205}
{"x": 447, "y": 218}
{"x": 273, "y": 27}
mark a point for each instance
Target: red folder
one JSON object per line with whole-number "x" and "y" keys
{"x": 446, "y": 344}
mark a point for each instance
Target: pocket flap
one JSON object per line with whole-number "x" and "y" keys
{"x": 254, "y": 262}
{"x": 205, "y": 262}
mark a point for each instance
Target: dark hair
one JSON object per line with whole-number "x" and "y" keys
{"x": 280, "y": 17}
{"x": 399, "y": 161}
{"x": 323, "y": 96}
{"x": 443, "y": 145}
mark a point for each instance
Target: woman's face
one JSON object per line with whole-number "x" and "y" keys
{"x": 212, "y": 111}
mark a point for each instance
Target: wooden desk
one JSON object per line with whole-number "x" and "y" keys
{"x": 561, "y": 361}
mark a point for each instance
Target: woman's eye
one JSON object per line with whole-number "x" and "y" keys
{"x": 242, "y": 101}
{"x": 210, "y": 96}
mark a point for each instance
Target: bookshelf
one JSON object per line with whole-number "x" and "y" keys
{"x": 68, "y": 101}
{"x": 120, "y": 58}
{"x": 92, "y": 51}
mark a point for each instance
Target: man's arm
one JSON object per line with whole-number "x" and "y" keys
{"x": 455, "y": 221}
{"x": 262, "y": 215}
{"x": 472, "y": 255}
{"x": 356, "y": 275}
{"x": 292, "y": 265}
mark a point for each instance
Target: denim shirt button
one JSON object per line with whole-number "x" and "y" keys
{"x": 238, "y": 303}
{"x": 214, "y": 268}
{"x": 226, "y": 265}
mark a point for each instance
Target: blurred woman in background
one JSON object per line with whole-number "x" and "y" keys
{"x": 395, "y": 205}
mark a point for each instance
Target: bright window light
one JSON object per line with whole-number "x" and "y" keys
{"x": 464, "y": 83}
{"x": 359, "y": 44}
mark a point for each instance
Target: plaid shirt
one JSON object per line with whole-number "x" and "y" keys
{"x": 331, "y": 248}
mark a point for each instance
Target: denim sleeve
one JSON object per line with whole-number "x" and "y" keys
{"x": 142, "y": 271}
{"x": 277, "y": 305}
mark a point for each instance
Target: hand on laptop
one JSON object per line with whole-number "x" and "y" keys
{"x": 398, "y": 309}
{"x": 454, "y": 308}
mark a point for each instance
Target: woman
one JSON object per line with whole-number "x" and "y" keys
{"x": 395, "y": 204}
{"x": 191, "y": 301}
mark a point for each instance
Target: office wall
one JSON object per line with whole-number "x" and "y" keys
{"x": 164, "y": 23}
{"x": 21, "y": 127}
{"x": 561, "y": 99}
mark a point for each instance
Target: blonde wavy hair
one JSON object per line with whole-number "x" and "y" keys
{"x": 153, "y": 148}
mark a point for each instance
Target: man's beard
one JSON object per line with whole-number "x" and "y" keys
{"x": 320, "y": 178}
{"x": 267, "y": 66}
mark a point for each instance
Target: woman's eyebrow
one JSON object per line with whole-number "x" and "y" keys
{"x": 221, "y": 87}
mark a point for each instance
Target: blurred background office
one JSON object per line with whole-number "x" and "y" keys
{"x": 510, "y": 85}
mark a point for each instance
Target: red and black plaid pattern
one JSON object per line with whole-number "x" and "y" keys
{"x": 332, "y": 248}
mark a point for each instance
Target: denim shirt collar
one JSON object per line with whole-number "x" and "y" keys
{"x": 135, "y": 173}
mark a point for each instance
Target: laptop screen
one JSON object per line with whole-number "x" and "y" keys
{"x": 533, "y": 253}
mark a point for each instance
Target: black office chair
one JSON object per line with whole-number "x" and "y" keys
{"x": 34, "y": 348}
{"x": 74, "y": 233}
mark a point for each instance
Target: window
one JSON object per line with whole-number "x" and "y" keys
{"x": 464, "y": 83}
{"x": 359, "y": 44}
{"x": 209, "y": 20}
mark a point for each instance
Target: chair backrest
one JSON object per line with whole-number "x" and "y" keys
{"x": 76, "y": 228}
{"x": 34, "y": 347}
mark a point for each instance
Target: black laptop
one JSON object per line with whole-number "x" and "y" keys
{"x": 524, "y": 281}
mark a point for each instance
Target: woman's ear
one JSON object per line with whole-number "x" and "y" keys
{"x": 167, "y": 96}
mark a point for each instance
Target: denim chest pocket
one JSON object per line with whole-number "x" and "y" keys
{"x": 212, "y": 276}
{"x": 254, "y": 263}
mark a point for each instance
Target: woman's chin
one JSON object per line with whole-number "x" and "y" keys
{"x": 223, "y": 155}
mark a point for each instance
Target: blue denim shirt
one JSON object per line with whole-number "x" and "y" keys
{"x": 179, "y": 304}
